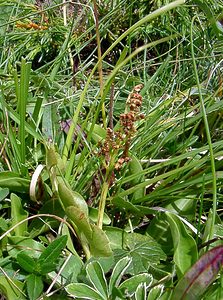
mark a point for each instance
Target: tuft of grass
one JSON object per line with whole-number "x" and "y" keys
{"x": 78, "y": 161}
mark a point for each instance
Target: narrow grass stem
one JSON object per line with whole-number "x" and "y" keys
{"x": 214, "y": 181}
{"x": 22, "y": 102}
{"x": 100, "y": 71}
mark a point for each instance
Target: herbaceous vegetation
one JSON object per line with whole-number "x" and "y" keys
{"x": 111, "y": 150}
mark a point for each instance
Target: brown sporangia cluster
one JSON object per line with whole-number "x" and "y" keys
{"x": 120, "y": 140}
{"x": 115, "y": 148}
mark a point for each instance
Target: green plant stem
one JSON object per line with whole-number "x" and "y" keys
{"x": 214, "y": 182}
{"x": 22, "y": 102}
{"x": 148, "y": 18}
{"x": 102, "y": 202}
{"x": 100, "y": 71}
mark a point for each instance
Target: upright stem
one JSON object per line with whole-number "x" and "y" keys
{"x": 214, "y": 181}
{"x": 99, "y": 60}
{"x": 102, "y": 202}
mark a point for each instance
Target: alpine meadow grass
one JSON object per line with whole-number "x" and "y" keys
{"x": 111, "y": 149}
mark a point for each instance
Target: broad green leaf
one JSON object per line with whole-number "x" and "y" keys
{"x": 185, "y": 248}
{"x": 183, "y": 207}
{"x": 196, "y": 281}
{"x": 70, "y": 198}
{"x": 118, "y": 272}
{"x": 83, "y": 291}
{"x": 135, "y": 168}
{"x": 159, "y": 230}
{"x": 52, "y": 252}
{"x": 97, "y": 278}
{"x": 14, "y": 182}
{"x": 80, "y": 220}
{"x": 73, "y": 269}
{"x": 45, "y": 268}
{"x": 107, "y": 263}
{"x": 26, "y": 262}
{"x": 158, "y": 273}
{"x": 18, "y": 214}
{"x": 96, "y": 238}
{"x": 34, "y": 286}
{"x": 98, "y": 132}
{"x": 11, "y": 289}
{"x": 99, "y": 244}
{"x": 25, "y": 245}
{"x": 143, "y": 250}
{"x": 155, "y": 292}
{"x": 140, "y": 293}
{"x": 130, "y": 285}
{"x": 115, "y": 236}
{"x": 93, "y": 215}
{"x": 48, "y": 123}
{"x": 3, "y": 193}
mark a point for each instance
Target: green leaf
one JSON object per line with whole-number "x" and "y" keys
{"x": 70, "y": 198}
{"x": 143, "y": 250}
{"x": 99, "y": 244}
{"x": 118, "y": 272}
{"x": 195, "y": 282}
{"x": 45, "y": 268}
{"x": 25, "y": 245}
{"x": 48, "y": 123}
{"x": 140, "y": 293}
{"x": 97, "y": 278}
{"x": 98, "y": 132}
{"x": 107, "y": 263}
{"x": 22, "y": 97}
{"x": 3, "y": 193}
{"x": 73, "y": 269}
{"x": 159, "y": 230}
{"x": 14, "y": 182}
{"x": 96, "y": 238}
{"x": 130, "y": 285}
{"x": 83, "y": 291}
{"x": 93, "y": 215}
{"x": 26, "y": 262}
{"x": 52, "y": 252}
{"x": 18, "y": 214}
{"x": 183, "y": 207}
{"x": 80, "y": 220}
{"x": 155, "y": 292}
{"x": 185, "y": 248}
{"x": 11, "y": 289}
{"x": 34, "y": 285}
{"x": 115, "y": 236}
{"x": 135, "y": 168}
